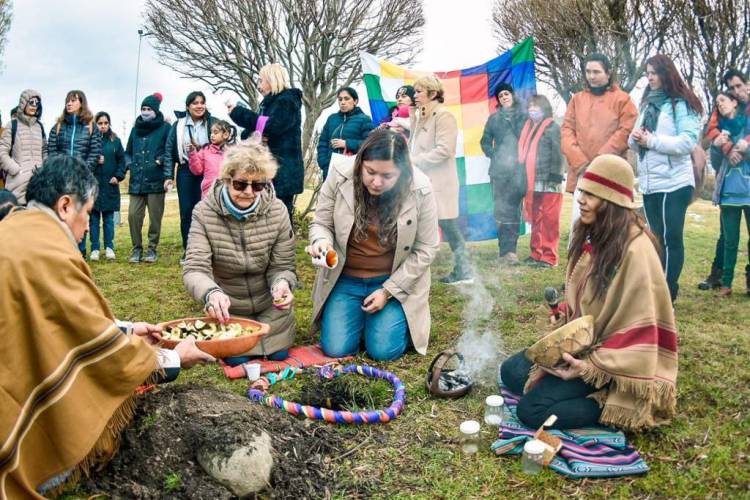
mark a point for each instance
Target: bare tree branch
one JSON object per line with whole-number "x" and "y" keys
{"x": 713, "y": 38}
{"x": 6, "y": 16}
{"x": 225, "y": 43}
{"x": 566, "y": 31}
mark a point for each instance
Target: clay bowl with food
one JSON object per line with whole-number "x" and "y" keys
{"x": 236, "y": 337}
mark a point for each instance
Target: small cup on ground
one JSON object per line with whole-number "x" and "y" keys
{"x": 252, "y": 370}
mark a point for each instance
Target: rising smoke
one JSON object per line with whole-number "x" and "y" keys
{"x": 481, "y": 344}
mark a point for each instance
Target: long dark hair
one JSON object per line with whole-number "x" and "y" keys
{"x": 112, "y": 135}
{"x": 609, "y": 236}
{"x": 383, "y": 145}
{"x": 672, "y": 83}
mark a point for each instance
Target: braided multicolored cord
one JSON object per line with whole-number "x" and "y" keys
{"x": 334, "y": 416}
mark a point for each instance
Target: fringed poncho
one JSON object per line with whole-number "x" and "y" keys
{"x": 67, "y": 372}
{"x": 635, "y": 360}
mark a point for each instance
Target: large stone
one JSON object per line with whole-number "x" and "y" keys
{"x": 244, "y": 470}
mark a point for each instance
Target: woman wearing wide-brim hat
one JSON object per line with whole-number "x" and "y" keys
{"x": 628, "y": 378}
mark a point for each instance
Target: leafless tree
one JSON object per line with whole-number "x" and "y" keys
{"x": 6, "y": 16}
{"x": 565, "y": 31}
{"x": 713, "y": 37}
{"x": 225, "y": 43}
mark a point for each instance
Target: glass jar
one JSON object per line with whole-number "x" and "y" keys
{"x": 493, "y": 410}
{"x": 533, "y": 456}
{"x": 469, "y": 436}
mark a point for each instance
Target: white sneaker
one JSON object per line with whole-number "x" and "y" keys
{"x": 94, "y": 255}
{"x": 109, "y": 253}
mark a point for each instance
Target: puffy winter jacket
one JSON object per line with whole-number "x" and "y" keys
{"x": 595, "y": 125}
{"x": 175, "y": 153}
{"x": 667, "y": 165}
{"x": 108, "y": 199}
{"x": 244, "y": 259}
{"x": 353, "y": 127}
{"x": 144, "y": 157}
{"x": 283, "y": 133}
{"x": 75, "y": 138}
{"x": 29, "y": 149}
{"x": 206, "y": 162}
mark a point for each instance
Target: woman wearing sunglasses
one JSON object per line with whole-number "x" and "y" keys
{"x": 240, "y": 253}
{"x": 23, "y": 147}
{"x": 381, "y": 219}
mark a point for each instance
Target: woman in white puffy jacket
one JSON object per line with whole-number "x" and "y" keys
{"x": 664, "y": 135}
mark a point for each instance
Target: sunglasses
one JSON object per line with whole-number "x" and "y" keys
{"x": 257, "y": 186}
{"x": 34, "y": 102}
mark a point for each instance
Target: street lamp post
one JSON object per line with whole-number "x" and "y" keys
{"x": 137, "y": 72}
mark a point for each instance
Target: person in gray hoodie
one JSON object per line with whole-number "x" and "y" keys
{"x": 23, "y": 145}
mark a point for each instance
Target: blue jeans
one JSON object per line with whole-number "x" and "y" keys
{"x": 108, "y": 220}
{"x": 343, "y": 322}
{"x": 188, "y": 195}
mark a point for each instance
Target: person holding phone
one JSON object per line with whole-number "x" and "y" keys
{"x": 240, "y": 254}
{"x": 380, "y": 217}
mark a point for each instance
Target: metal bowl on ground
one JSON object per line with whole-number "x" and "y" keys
{"x": 221, "y": 348}
{"x": 445, "y": 382}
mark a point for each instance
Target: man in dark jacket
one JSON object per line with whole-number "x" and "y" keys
{"x": 144, "y": 157}
{"x": 344, "y": 131}
{"x": 279, "y": 123}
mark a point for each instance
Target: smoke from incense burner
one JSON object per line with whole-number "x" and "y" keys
{"x": 481, "y": 343}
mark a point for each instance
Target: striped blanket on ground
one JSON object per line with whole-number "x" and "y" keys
{"x": 299, "y": 357}
{"x": 586, "y": 452}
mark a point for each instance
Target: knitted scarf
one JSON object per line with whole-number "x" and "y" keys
{"x": 145, "y": 127}
{"x": 528, "y": 146}
{"x": 238, "y": 213}
{"x": 67, "y": 372}
{"x": 652, "y": 108}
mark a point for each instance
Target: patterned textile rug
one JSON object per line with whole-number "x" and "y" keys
{"x": 586, "y": 452}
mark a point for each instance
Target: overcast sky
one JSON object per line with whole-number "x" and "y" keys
{"x": 92, "y": 45}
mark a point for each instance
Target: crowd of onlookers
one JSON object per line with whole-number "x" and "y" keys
{"x": 528, "y": 151}
{"x": 389, "y": 191}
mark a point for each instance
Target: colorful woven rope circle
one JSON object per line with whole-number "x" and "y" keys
{"x": 335, "y": 416}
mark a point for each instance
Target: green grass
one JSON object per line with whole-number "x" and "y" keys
{"x": 705, "y": 452}
{"x": 172, "y": 481}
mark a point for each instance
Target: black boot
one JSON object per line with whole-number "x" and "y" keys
{"x": 462, "y": 273}
{"x": 713, "y": 280}
{"x": 747, "y": 278}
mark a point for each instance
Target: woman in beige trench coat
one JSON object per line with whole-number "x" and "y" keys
{"x": 380, "y": 218}
{"x": 432, "y": 145}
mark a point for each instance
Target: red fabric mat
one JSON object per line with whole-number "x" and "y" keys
{"x": 299, "y": 357}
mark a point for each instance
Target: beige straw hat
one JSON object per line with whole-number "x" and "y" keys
{"x": 610, "y": 178}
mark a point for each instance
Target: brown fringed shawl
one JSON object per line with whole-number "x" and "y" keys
{"x": 636, "y": 337}
{"x": 67, "y": 372}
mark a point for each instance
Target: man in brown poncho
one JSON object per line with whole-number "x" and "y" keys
{"x": 68, "y": 368}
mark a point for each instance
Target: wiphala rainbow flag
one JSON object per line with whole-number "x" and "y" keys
{"x": 468, "y": 95}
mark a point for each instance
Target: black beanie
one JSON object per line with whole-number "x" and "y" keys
{"x": 406, "y": 89}
{"x": 153, "y": 101}
{"x": 503, "y": 86}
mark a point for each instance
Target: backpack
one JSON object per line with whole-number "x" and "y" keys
{"x": 14, "y": 130}
{"x": 698, "y": 159}
{"x": 699, "y": 162}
